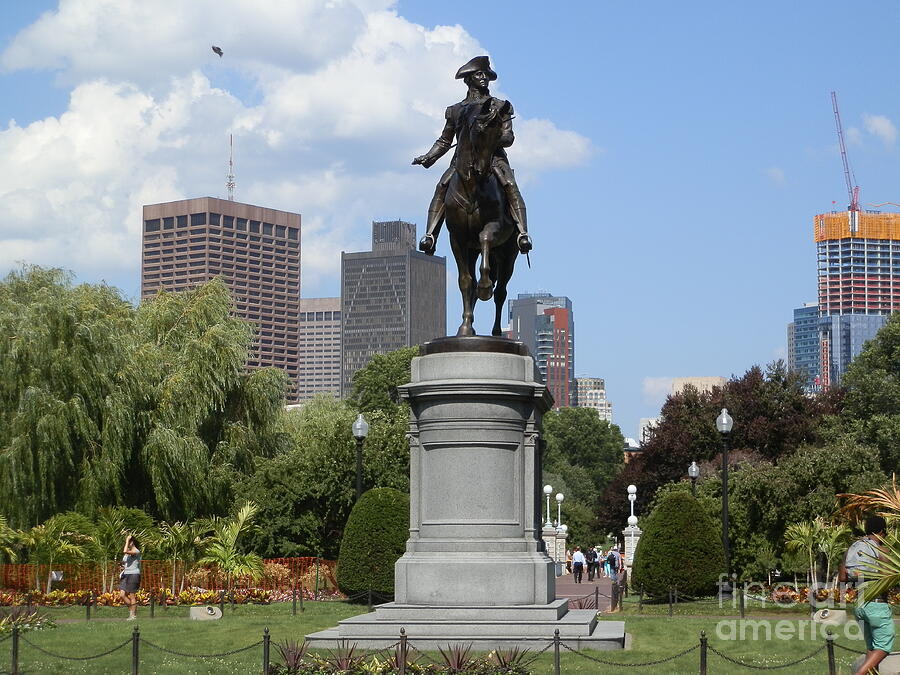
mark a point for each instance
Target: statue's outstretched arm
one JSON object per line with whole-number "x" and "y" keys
{"x": 440, "y": 147}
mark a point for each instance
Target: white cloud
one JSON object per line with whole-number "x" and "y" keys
{"x": 854, "y": 136}
{"x": 776, "y": 175}
{"x": 882, "y": 127}
{"x": 344, "y": 95}
{"x": 655, "y": 390}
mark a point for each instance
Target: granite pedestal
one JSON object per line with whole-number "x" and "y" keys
{"x": 475, "y": 567}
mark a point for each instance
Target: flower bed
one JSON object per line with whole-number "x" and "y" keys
{"x": 242, "y": 596}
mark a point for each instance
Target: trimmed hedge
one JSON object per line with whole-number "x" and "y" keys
{"x": 374, "y": 539}
{"x": 680, "y": 547}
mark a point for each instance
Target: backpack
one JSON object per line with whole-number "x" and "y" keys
{"x": 611, "y": 561}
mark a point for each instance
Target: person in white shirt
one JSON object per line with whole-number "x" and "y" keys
{"x": 578, "y": 564}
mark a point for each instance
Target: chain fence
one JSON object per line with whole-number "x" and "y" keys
{"x": 400, "y": 651}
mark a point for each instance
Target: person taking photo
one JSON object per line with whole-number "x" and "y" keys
{"x": 130, "y": 578}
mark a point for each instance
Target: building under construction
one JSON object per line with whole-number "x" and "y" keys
{"x": 858, "y": 268}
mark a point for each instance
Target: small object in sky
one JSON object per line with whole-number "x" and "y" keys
{"x": 218, "y": 50}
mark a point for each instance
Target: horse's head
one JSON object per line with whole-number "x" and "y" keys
{"x": 484, "y": 131}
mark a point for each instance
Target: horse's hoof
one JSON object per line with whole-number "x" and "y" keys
{"x": 485, "y": 292}
{"x": 465, "y": 330}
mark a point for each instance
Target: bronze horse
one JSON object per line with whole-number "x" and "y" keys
{"x": 477, "y": 213}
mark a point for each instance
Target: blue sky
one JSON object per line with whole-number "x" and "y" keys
{"x": 672, "y": 155}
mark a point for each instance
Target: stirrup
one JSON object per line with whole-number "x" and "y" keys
{"x": 524, "y": 243}
{"x": 427, "y": 244}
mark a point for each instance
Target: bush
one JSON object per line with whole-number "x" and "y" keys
{"x": 374, "y": 538}
{"x": 681, "y": 547}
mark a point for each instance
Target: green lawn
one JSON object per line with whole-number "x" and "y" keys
{"x": 654, "y": 637}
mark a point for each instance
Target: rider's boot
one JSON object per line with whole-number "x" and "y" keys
{"x": 428, "y": 243}
{"x": 517, "y": 208}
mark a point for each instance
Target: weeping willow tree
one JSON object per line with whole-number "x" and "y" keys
{"x": 104, "y": 404}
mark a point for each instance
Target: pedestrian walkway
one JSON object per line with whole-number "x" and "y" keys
{"x": 567, "y": 588}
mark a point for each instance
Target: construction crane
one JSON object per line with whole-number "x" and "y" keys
{"x": 852, "y": 187}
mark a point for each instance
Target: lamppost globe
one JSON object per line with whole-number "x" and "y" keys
{"x": 694, "y": 471}
{"x": 632, "y": 521}
{"x": 724, "y": 422}
{"x": 360, "y": 428}
{"x": 559, "y": 497}
{"x": 632, "y": 489}
{"x": 548, "y": 490}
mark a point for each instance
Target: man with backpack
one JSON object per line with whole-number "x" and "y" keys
{"x": 613, "y": 560}
{"x": 874, "y": 614}
{"x": 591, "y": 556}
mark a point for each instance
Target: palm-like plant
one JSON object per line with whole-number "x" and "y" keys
{"x": 805, "y": 537}
{"x": 106, "y": 543}
{"x": 179, "y": 541}
{"x": 9, "y": 541}
{"x": 885, "y": 503}
{"x": 832, "y": 543}
{"x": 48, "y": 543}
{"x": 222, "y": 550}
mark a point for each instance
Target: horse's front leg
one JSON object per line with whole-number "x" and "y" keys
{"x": 485, "y": 286}
{"x": 466, "y": 287}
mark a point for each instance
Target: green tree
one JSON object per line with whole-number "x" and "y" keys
{"x": 680, "y": 548}
{"x": 773, "y": 418}
{"x": 10, "y": 540}
{"x": 305, "y": 495}
{"x": 805, "y": 537}
{"x": 102, "y": 404}
{"x": 54, "y": 541}
{"x": 374, "y": 539}
{"x": 375, "y": 385}
{"x": 179, "y": 542}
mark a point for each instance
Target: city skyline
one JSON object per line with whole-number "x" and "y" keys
{"x": 671, "y": 157}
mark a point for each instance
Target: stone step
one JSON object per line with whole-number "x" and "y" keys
{"x": 397, "y": 611}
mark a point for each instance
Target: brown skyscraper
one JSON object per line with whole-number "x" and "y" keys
{"x": 255, "y": 250}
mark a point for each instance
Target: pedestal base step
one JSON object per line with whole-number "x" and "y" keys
{"x": 579, "y": 629}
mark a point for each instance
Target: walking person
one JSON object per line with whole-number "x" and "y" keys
{"x": 874, "y": 614}
{"x": 591, "y": 556}
{"x": 130, "y": 578}
{"x": 578, "y": 564}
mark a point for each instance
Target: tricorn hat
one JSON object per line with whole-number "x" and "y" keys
{"x": 478, "y": 63}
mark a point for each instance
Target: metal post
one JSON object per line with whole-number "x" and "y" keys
{"x": 726, "y": 540}
{"x": 597, "y": 598}
{"x": 403, "y": 651}
{"x": 670, "y": 601}
{"x": 359, "y": 449}
{"x": 316, "y": 592}
{"x": 152, "y": 604}
{"x": 614, "y": 596}
{"x": 87, "y": 606}
{"x": 15, "y": 650}
{"x": 703, "y": 652}
{"x": 556, "y": 652}
{"x": 742, "y": 601}
{"x": 641, "y": 600}
{"x": 301, "y": 596}
{"x": 829, "y": 645}
{"x": 135, "y": 650}
{"x": 370, "y": 599}
{"x": 266, "y": 639}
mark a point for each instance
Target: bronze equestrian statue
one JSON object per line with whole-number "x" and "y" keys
{"x": 477, "y": 194}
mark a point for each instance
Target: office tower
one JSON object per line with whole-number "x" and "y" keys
{"x": 546, "y": 324}
{"x": 803, "y": 344}
{"x": 858, "y": 267}
{"x": 319, "y": 347}
{"x": 703, "y": 384}
{"x": 255, "y": 250}
{"x": 591, "y": 393}
{"x": 391, "y": 297}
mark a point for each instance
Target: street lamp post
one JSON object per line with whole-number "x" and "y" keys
{"x": 724, "y": 424}
{"x": 694, "y": 473}
{"x": 360, "y": 431}
{"x": 548, "y": 490}
{"x": 559, "y": 501}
